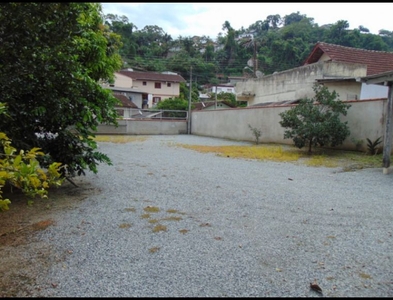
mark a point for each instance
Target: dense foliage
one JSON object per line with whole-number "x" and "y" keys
{"x": 173, "y": 104}
{"x": 316, "y": 122}
{"x": 22, "y": 170}
{"x": 277, "y": 44}
{"x": 52, "y": 58}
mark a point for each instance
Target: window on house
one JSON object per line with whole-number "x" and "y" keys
{"x": 157, "y": 85}
{"x": 168, "y": 84}
{"x": 144, "y": 83}
{"x": 156, "y": 100}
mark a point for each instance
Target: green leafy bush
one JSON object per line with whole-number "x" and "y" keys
{"x": 22, "y": 170}
{"x": 316, "y": 121}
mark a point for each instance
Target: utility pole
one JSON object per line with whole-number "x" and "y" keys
{"x": 215, "y": 101}
{"x": 255, "y": 59}
{"x": 189, "y": 104}
{"x": 388, "y": 132}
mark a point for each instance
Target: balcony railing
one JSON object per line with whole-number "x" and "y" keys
{"x": 154, "y": 114}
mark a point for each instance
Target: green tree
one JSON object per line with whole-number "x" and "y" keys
{"x": 387, "y": 37}
{"x": 281, "y": 44}
{"x": 121, "y": 26}
{"x": 229, "y": 97}
{"x": 152, "y": 42}
{"x": 274, "y": 21}
{"x": 316, "y": 121}
{"x": 339, "y": 34}
{"x": 230, "y": 47}
{"x": 185, "y": 92}
{"x": 173, "y": 104}
{"x": 52, "y": 59}
{"x": 294, "y": 18}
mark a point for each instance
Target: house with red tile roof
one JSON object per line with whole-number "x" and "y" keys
{"x": 376, "y": 61}
{"x": 337, "y": 67}
{"x": 123, "y": 109}
{"x": 153, "y": 86}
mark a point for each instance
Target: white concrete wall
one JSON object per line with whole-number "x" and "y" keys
{"x": 145, "y": 127}
{"x": 136, "y": 98}
{"x": 347, "y": 90}
{"x": 222, "y": 89}
{"x": 295, "y": 83}
{"x": 122, "y": 81}
{"x": 366, "y": 119}
{"x": 369, "y": 91}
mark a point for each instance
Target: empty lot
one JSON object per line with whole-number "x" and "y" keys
{"x": 168, "y": 221}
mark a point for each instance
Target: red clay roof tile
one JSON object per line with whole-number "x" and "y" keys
{"x": 125, "y": 101}
{"x": 376, "y": 61}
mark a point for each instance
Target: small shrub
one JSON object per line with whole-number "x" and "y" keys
{"x": 256, "y": 132}
{"x": 373, "y": 146}
{"x": 316, "y": 121}
{"x": 358, "y": 143}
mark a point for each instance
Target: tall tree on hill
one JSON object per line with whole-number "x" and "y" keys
{"x": 230, "y": 43}
{"x": 125, "y": 29}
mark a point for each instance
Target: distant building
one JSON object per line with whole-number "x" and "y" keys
{"x": 153, "y": 86}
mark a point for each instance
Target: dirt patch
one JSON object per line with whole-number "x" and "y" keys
{"x": 23, "y": 257}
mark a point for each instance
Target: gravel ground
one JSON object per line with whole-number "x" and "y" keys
{"x": 230, "y": 228}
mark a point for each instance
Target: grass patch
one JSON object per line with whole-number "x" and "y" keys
{"x": 175, "y": 211}
{"x": 119, "y": 138}
{"x": 321, "y": 157}
{"x": 132, "y": 209}
{"x": 151, "y": 209}
{"x": 265, "y": 152}
{"x": 125, "y": 225}
{"x": 153, "y": 221}
{"x": 145, "y": 216}
{"x": 159, "y": 227}
{"x": 321, "y": 160}
{"x": 365, "y": 276}
{"x": 154, "y": 249}
{"x": 172, "y": 218}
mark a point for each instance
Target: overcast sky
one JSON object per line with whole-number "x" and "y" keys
{"x": 187, "y": 19}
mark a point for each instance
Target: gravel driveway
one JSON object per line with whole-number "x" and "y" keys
{"x": 172, "y": 222}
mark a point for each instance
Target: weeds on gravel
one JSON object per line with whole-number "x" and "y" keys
{"x": 330, "y": 158}
{"x": 151, "y": 209}
{"x": 159, "y": 227}
{"x": 275, "y": 153}
{"x": 154, "y": 249}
